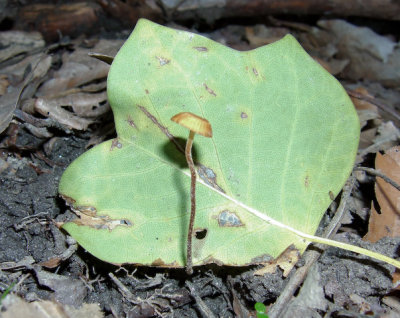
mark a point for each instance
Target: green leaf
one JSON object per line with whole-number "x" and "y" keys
{"x": 285, "y": 136}
{"x": 260, "y": 308}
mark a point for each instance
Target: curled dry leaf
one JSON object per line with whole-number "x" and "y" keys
{"x": 87, "y": 105}
{"x": 387, "y": 222}
{"x": 79, "y": 68}
{"x": 50, "y": 108}
{"x": 86, "y": 108}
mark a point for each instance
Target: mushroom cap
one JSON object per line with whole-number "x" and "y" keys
{"x": 195, "y": 123}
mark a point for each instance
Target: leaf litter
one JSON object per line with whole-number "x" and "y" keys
{"x": 380, "y": 136}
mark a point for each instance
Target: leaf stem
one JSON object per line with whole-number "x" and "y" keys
{"x": 355, "y": 249}
{"x": 305, "y": 236}
{"x": 189, "y": 159}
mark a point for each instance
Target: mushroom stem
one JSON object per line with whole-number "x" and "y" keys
{"x": 196, "y": 125}
{"x": 189, "y": 159}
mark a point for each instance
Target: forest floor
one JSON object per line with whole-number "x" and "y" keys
{"x": 38, "y": 261}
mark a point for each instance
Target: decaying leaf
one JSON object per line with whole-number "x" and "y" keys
{"x": 50, "y": 108}
{"x": 387, "y": 221}
{"x": 15, "y": 43}
{"x": 285, "y": 261}
{"x": 372, "y": 56}
{"x": 280, "y": 149}
{"x": 260, "y": 35}
{"x": 79, "y": 68}
{"x": 14, "y": 306}
{"x": 383, "y": 138}
{"x": 366, "y": 111}
{"x": 25, "y": 87}
{"x": 67, "y": 290}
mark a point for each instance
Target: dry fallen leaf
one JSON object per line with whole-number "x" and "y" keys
{"x": 385, "y": 136}
{"x": 79, "y": 68}
{"x": 387, "y": 222}
{"x": 14, "y": 306}
{"x": 372, "y": 56}
{"x": 14, "y": 43}
{"x": 260, "y": 35}
{"x": 285, "y": 261}
{"x": 50, "y": 108}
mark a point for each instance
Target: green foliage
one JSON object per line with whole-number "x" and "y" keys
{"x": 6, "y": 292}
{"x": 285, "y": 135}
{"x": 260, "y": 310}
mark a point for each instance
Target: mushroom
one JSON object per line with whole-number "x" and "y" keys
{"x": 196, "y": 125}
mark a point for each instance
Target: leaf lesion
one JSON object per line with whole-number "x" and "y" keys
{"x": 88, "y": 216}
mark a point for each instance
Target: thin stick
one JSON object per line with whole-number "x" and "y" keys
{"x": 379, "y": 174}
{"x": 124, "y": 290}
{"x": 189, "y": 159}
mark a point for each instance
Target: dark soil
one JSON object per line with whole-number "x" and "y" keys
{"x": 46, "y": 264}
{"x": 30, "y": 206}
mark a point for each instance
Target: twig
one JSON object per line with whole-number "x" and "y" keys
{"x": 125, "y": 291}
{"x": 311, "y": 256}
{"x": 202, "y": 306}
{"x": 379, "y": 174}
{"x": 20, "y": 281}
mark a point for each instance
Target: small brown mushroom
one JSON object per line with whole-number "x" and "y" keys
{"x": 196, "y": 125}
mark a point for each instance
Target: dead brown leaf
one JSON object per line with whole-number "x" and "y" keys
{"x": 285, "y": 261}
{"x": 260, "y": 35}
{"x": 15, "y": 306}
{"x": 79, "y": 68}
{"x": 14, "y": 43}
{"x": 387, "y": 222}
{"x": 4, "y": 83}
{"x": 50, "y": 108}
{"x": 371, "y": 55}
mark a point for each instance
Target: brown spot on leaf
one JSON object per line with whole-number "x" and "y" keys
{"x": 160, "y": 263}
{"x": 147, "y": 91}
{"x": 162, "y": 128}
{"x": 201, "y": 48}
{"x": 255, "y": 71}
{"x": 331, "y": 195}
{"x": 163, "y": 61}
{"x": 227, "y": 218}
{"x": 307, "y": 181}
{"x": 87, "y": 216}
{"x": 209, "y": 90}
{"x": 115, "y": 144}
{"x": 131, "y": 122}
{"x": 243, "y": 115}
{"x": 88, "y": 210}
{"x": 70, "y": 201}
